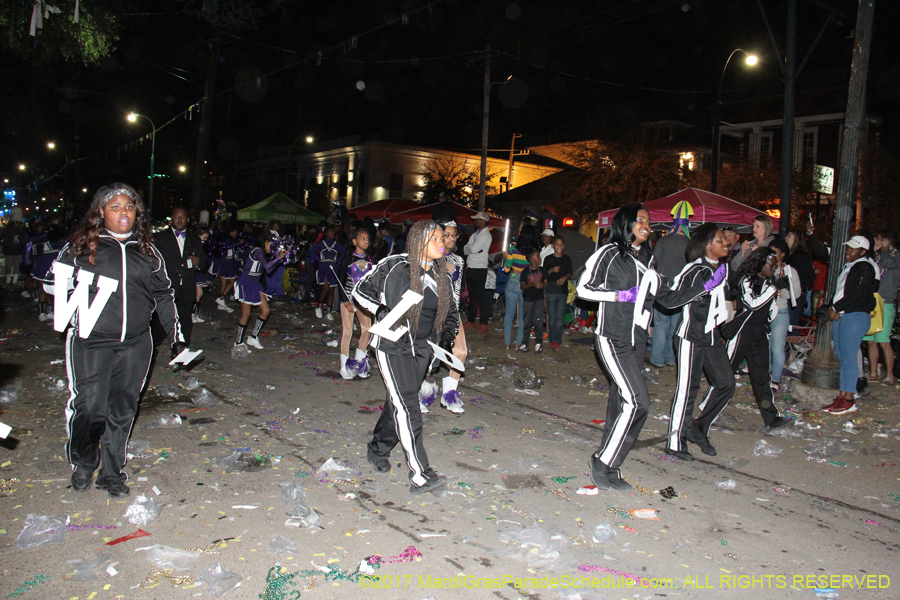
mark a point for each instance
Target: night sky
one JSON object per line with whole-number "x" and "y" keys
{"x": 581, "y": 69}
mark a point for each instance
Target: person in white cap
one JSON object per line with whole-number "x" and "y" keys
{"x": 547, "y": 240}
{"x": 477, "y": 251}
{"x": 849, "y": 312}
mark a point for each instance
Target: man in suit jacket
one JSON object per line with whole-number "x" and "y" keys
{"x": 182, "y": 252}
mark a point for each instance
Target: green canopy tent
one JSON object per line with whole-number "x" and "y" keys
{"x": 278, "y": 206}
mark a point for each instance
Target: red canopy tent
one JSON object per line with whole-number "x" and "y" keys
{"x": 708, "y": 207}
{"x": 464, "y": 215}
{"x": 383, "y": 209}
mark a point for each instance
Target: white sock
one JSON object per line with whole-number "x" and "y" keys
{"x": 448, "y": 384}
{"x": 344, "y": 358}
{"x": 360, "y": 354}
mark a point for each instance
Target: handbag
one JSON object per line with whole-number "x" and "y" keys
{"x": 877, "y": 316}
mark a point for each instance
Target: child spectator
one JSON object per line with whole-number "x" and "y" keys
{"x": 533, "y": 283}
{"x": 558, "y": 269}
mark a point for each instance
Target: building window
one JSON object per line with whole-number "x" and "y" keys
{"x": 361, "y": 190}
{"x": 809, "y": 144}
{"x": 396, "y": 189}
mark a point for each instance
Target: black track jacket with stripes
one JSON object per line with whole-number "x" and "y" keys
{"x": 608, "y": 272}
{"x": 698, "y": 323}
{"x": 143, "y": 287}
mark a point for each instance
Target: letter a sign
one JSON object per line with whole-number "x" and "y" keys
{"x": 79, "y": 301}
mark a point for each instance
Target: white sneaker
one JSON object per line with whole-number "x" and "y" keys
{"x": 452, "y": 402}
{"x": 220, "y": 301}
{"x": 196, "y": 318}
{"x": 422, "y": 407}
{"x": 345, "y": 373}
{"x": 318, "y": 313}
{"x": 328, "y": 316}
{"x": 253, "y": 341}
{"x": 225, "y": 308}
{"x": 26, "y": 294}
{"x": 43, "y": 317}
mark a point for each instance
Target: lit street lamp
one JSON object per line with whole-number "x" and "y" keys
{"x": 751, "y": 61}
{"x": 134, "y": 117}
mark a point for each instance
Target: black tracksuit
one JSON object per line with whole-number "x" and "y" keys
{"x": 107, "y": 366}
{"x": 404, "y": 363}
{"x": 751, "y": 342}
{"x": 622, "y": 338}
{"x": 183, "y": 274}
{"x": 699, "y": 346}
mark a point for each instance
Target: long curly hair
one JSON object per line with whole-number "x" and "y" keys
{"x": 416, "y": 241}
{"x": 86, "y": 237}
{"x": 751, "y": 267}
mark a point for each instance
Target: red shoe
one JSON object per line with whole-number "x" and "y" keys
{"x": 554, "y": 346}
{"x": 483, "y": 329}
{"x": 846, "y": 406}
{"x": 834, "y": 403}
{"x": 469, "y": 325}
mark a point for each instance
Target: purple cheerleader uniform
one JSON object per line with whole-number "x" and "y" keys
{"x": 354, "y": 267}
{"x": 228, "y": 265}
{"x": 42, "y": 256}
{"x": 328, "y": 255}
{"x": 247, "y": 288}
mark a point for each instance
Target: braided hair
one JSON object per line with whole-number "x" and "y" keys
{"x": 416, "y": 242}
{"x": 751, "y": 267}
{"x": 86, "y": 237}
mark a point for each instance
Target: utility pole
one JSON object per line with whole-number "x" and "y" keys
{"x": 821, "y": 369}
{"x": 787, "y": 135}
{"x": 199, "y": 197}
{"x": 512, "y": 154}
{"x": 484, "y": 126}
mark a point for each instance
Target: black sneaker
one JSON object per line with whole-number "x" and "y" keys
{"x": 680, "y": 454}
{"x": 615, "y": 480}
{"x": 82, "y": 478}
{"x": 599, "y": 473}
{"x": 116, "y": 488}
{"x": 381, "y": 464}
{"x": 779, "y": 423}
{"x": 433, "y": 481}
{"x": 697, "y": 437}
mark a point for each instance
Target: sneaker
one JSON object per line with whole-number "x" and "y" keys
{"x": 847, "y": 406}
{"x": 423, "y": 407}
{"x": 82, "y": 478}
{"x": 433, "y": 481}
{"x": 196, "y": 318}
{"x": 348, "y": 369}
{"x": 615, "y": 480}
{"x": 254, "y": 341}
{"x": 680, "y": 454}
{"x": 26, "y": 294}
{"x": 227, "y": 309}
{"x": 363, "y": 369}
{"x": 43, "y": 317}
{"x": 452, "y": 402}
{"x": 538, "y": 348}
{"x": 834, "y": 403}
{"x": 328, "y": 316}
{"x": 116, "y": 489}
{"x": 697, "y": 437}
{"x": 469, "y": 325}
{"x": 220, "y": 301}
{"x": 522, "y": 348}
{"x": 599, "y": 473}
{"x": 554, "y": 346}
{"x": 483, "y": 329}
{"x": 318, "y": 313}
{"x": 779, "y": 423}
{"x": 382, "y": 464}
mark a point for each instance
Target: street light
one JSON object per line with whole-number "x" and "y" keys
{"x": 134, "y": 117}
{"x": 751, "y": 61}
{"x": 51, "y": 145}
{"x": 182, "y": 168}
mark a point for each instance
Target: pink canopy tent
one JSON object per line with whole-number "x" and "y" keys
{"x": 464, "y": 215}
{"x": 383, "y": 209}
{"x": 708, "y": 208}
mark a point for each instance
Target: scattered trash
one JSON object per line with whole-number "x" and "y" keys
{"x": 533, "y": 545}
{"x": 879, "y": 449}
{"x": 143, "y": 510}
{"x": 204, "y": 397}
{"x": 281, "y": 545}
{"x": 167, "y": 557}
{"x": 220, "y": 581}
{"x": 84, "y": 571}
{"x": 577, "y": 380}
{"x": 331, "y": 466}
{"x": 41, "y": 529}
{"x": 294, "y": 497}
{"x": 37, "y": 579}
{"x": 192, "y": 383}
{"x": 728, "y": 484}
{"x": 603, "y": 532}
{"x": 137, "y": 534}
{"x": 332, "y": 344}
{"x": 734, "y": 462}
{"x": 138, "y": 447}
{"x": 588, "y": 490}
{"x": 524, "y": 378}
{"x": 10, "y": 392}
{"x": 518, "y": 482}
{"x": 645, "y": 513}
{"x": 825, "y": 593}
{"x": 241, "y": 461}
{"x": 535, "y": 465}
{"x": 168, "y": 391}
{"x": 240, "y": 351}
{"x": 824, "y": 449}
{"x": 764, "y": 449}
{"x": 668, "y": 493}
{"x": 162, "y": 421}
{"x": 54, "y": 384}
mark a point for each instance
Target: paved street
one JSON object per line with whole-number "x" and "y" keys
{"x": 509, "y": 522}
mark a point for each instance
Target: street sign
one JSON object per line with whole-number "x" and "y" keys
{"x": 823, "y": 179}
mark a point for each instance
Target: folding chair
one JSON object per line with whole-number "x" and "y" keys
{"x": 800, "y": 341}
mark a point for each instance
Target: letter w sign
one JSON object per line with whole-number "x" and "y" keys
{"x": 79, "y": 301}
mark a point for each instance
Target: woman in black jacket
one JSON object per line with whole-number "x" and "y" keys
{"x": 108, "y": 346}
{"x": 620, "y": 276}
{"x": 403, "y": 363}
{"x": 802, "y": 261}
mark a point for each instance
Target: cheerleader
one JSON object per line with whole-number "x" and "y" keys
{"x": 108, "y": 356}
{"x": 748, "y": 331}
{"x": 227, "y": 266}
{"x": 700, "y": 346}
{"x": 354, "y": 266}
{"x": 449, "y": 394}
{"x": 249, "y": 291}
{"x": 43, "y": 256}
{"x": 327, "y": 255}
{"x": 617, "y": 276}
{"x": 404, "y": 363}
{"x": 201, "y": 275}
